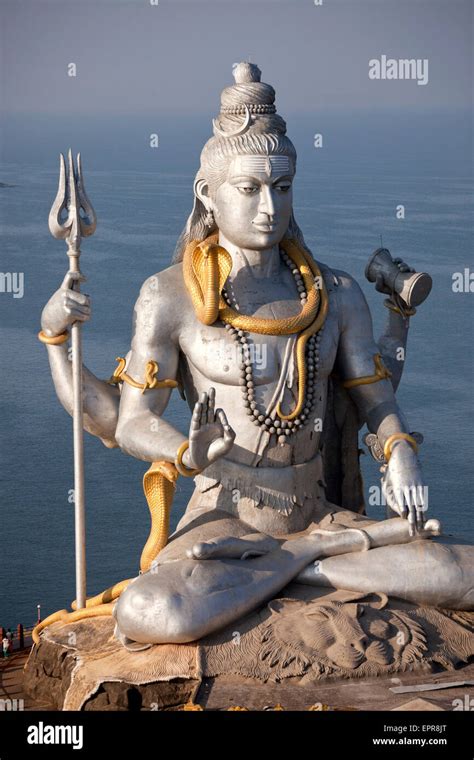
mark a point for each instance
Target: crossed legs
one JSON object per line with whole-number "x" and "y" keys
{"x": 217, "y": 569}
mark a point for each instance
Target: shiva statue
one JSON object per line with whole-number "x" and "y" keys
{"x": 274, "y": 354}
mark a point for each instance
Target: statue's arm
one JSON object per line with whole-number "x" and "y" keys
{"x": 403, "y": 482}
{"x": 141, "y": 430}
{"x": 355, "y": 359}
{"x": 101, "y": 400}
{"x": 392, "y": 345}
{"x": 393, "y": 341}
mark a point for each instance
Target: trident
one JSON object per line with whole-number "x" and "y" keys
{"x": 80, "y": 222}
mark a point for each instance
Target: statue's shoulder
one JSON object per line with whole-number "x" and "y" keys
{"x": 336, "y": 280}
{"x": 163, "y": 288}
{"x": 162, "y": 299}
{"x": 347, "y": 293}
{"x": 340, "y": 281}
{"x": 165, "y": 284}
{"x": 329, "y": 276}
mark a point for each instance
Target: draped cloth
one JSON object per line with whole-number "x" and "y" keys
{"x": 279, "y": 487}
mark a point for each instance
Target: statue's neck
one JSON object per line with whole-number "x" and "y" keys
{"x": 254, "y": 264}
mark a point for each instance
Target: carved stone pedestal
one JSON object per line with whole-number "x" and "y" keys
{"x": 303, "y": 648}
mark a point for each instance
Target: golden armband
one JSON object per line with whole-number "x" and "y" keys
{"x": 381, "y": 373}
{"x": 151, "y": 381}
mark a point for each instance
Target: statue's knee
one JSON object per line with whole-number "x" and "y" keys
{"x": 147, "y": 613}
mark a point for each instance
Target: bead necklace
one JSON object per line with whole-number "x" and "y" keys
{"x": 282, "y": 428}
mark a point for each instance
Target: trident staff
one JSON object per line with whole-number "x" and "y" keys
{"x": 71, "y": 198}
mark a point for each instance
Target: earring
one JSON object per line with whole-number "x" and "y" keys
{"x": 209, "y": 219}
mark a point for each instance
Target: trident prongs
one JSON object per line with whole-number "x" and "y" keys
{"x": 72, "y": 196}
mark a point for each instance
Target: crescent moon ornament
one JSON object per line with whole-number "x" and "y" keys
{"x": 240, "y": 130}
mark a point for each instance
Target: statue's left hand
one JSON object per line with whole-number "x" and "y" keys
{"x": 380, "y": 283}
{"x": 403, "y": 485}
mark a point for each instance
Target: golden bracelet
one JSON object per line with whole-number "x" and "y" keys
{"x": 381, "y": 373}
{"x": 53, "y": 340}
{"x": 405, "y": 313}
{"x": 180, "y": 466}
{"x": 387, "y": 449}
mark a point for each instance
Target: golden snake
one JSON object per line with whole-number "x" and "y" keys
{"x": 206, "y": 266}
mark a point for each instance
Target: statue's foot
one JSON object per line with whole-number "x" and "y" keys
{"x": 252, "y": 545}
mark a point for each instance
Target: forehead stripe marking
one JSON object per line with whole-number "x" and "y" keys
{"x": 260, "y": 163}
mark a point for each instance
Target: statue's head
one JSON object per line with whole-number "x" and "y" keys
{"x": 244, "y": 183}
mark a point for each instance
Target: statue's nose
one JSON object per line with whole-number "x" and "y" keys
{"x": 267, "y": 203}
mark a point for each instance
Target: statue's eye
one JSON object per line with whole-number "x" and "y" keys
{"x": 248, "y": 189}
{"x": 283, "y": 188}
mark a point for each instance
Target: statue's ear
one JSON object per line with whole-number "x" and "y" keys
{"x": 201, "y": 192}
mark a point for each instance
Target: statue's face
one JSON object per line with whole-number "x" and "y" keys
{"x": 252, "y": 208}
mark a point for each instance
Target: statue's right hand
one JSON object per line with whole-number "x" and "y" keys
{"x": 65, "y": 306}
{"x": 210, "y": 435}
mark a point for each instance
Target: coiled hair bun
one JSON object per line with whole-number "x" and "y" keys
{"x": 247, "y": 104}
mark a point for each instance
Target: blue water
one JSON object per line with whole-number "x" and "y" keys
{"x": 140, "y": 216}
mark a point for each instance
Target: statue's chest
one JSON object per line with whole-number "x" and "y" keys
{"x": 218, "y": 356}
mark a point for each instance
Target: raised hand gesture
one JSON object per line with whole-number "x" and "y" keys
{"x": 210, "y": 435}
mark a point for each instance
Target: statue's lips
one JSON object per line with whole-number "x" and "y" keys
{"x": 265, "y": 227}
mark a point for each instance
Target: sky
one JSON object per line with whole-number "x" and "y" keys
{"x": 175, "y": 57}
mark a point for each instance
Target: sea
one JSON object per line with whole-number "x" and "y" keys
{"x": 346, "y": 210}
